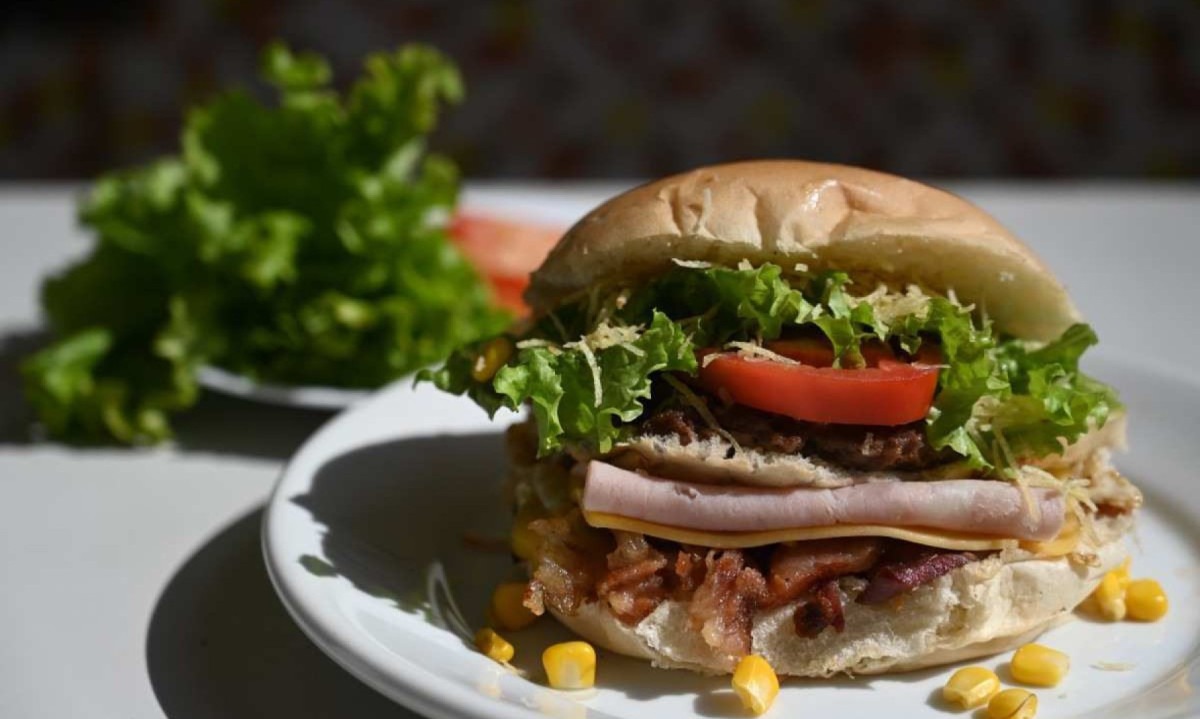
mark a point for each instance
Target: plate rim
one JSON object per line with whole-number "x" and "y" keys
{"x": 422, "y": 691}
{"x": 322, "y": 397}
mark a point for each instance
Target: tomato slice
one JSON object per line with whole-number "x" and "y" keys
{"x": 888, "y": 392}
{"x": 507, "y": 292}
{"x": 505, "y": 251}
{"x": 819, "y": 353}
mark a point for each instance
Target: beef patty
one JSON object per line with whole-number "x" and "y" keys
{"x": 871, "y": 449}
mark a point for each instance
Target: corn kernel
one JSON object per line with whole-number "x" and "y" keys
{"x": 971, "y": 687}
{"x": 1122, "y": 572}
{"x": 1146, "y": 600}
{"x": 493, "y": 645}
{"x": 1039, "y": 665}
{"x": 507, "y": 608}
{"x": 1110, "y": 597}
{"x": 570, "y": 665}
{"x": 755, "y": 683}
{"x": 491, "y": 358}
{"x": 1013, "y": 704}
{"x": 523, "y": 540}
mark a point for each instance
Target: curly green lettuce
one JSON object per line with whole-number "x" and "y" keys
{"x": 584, "y": 390}
{"x": 999, "y": 400}
{"x": 302, "y": 242}
{"x": 579, "y": 392}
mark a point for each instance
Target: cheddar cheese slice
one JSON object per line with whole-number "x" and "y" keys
{"x": 739, "y": 540}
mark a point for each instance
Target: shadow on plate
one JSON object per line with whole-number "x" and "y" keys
{"x": 400, "y": 512}
{"x": 396, "y": 511}
{"x": 221, "y": 646}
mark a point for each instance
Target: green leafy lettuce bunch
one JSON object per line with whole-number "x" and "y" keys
{"x": 589, "y": 369}
{"x": 302, "y": 242}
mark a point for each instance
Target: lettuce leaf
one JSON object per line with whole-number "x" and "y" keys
{"x": 720, "y": 304}
{"x": 997, "y": 401}
{"x": 971, "y": 373}
{"x": 1051, "y": 398}
{"x": 759, "y": 303}
{"x": 846, "y": 322}
{"x": 561, "y": 388}
{"x": 300, "y": 242}
{"x": 560, "y": 383}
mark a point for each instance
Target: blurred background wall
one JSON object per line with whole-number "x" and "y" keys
{"x": 593, "y": 88}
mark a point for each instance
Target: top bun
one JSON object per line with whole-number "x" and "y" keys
{"x": 874, "y": 226}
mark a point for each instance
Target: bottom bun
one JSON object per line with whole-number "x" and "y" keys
{"x": 983, "y": 608}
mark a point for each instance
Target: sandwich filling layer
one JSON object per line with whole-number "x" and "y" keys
{"x": 977, "y": 506}
{"x": 789, "y": 362}
{"x": 584, "y": 544}
{"x": 743, "y": 439}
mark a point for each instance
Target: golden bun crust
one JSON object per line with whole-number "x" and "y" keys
{"x": 877, "y": 227}
{"x": 984, "y": 608}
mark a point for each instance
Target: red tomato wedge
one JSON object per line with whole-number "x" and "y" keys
{"x": 505, "y": 251}
{"x": 887, "y": 392}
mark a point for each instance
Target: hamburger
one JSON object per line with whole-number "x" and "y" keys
{"x": 818, "y": 413}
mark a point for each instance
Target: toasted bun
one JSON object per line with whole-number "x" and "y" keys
{"x": 877, "y": 227}
{"x": 983, "y": 608}
{"x": 714, "y": 461}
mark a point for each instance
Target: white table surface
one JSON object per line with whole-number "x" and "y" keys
{"x": 132, "y": 581}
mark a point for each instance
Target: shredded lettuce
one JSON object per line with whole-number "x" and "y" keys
{"x": 999, "y": 400}
{"x": 579, "y": 393}
{"x": 302, "y": 242}
{"x": 1050, "y": 398}
{"x": 720, "y": 304}
{"x": 559, "y": 385}
{"x": 847, "y": 322}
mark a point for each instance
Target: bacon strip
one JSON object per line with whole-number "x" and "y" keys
{"x": 907, "y": 567}
{"x": 795, "y": 568}
{"x": 689, "y": 572}
{"x": 633, "y": 586}
{"x": 723, "y": 606}
{"x": 823, "y": 609}
{"x": 576, "y": 564}
{"x": 568, "y": 564}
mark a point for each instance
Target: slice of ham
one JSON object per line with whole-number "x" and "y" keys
{"x": 975, "y": 506}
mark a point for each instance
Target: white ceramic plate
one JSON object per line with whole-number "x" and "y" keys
{"x": 283, "y": 395}
{"x": 366, "y": 541}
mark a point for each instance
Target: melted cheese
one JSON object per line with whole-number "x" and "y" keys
{"x": 1065, "y": 543}
{"x": 738, "y": 540}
